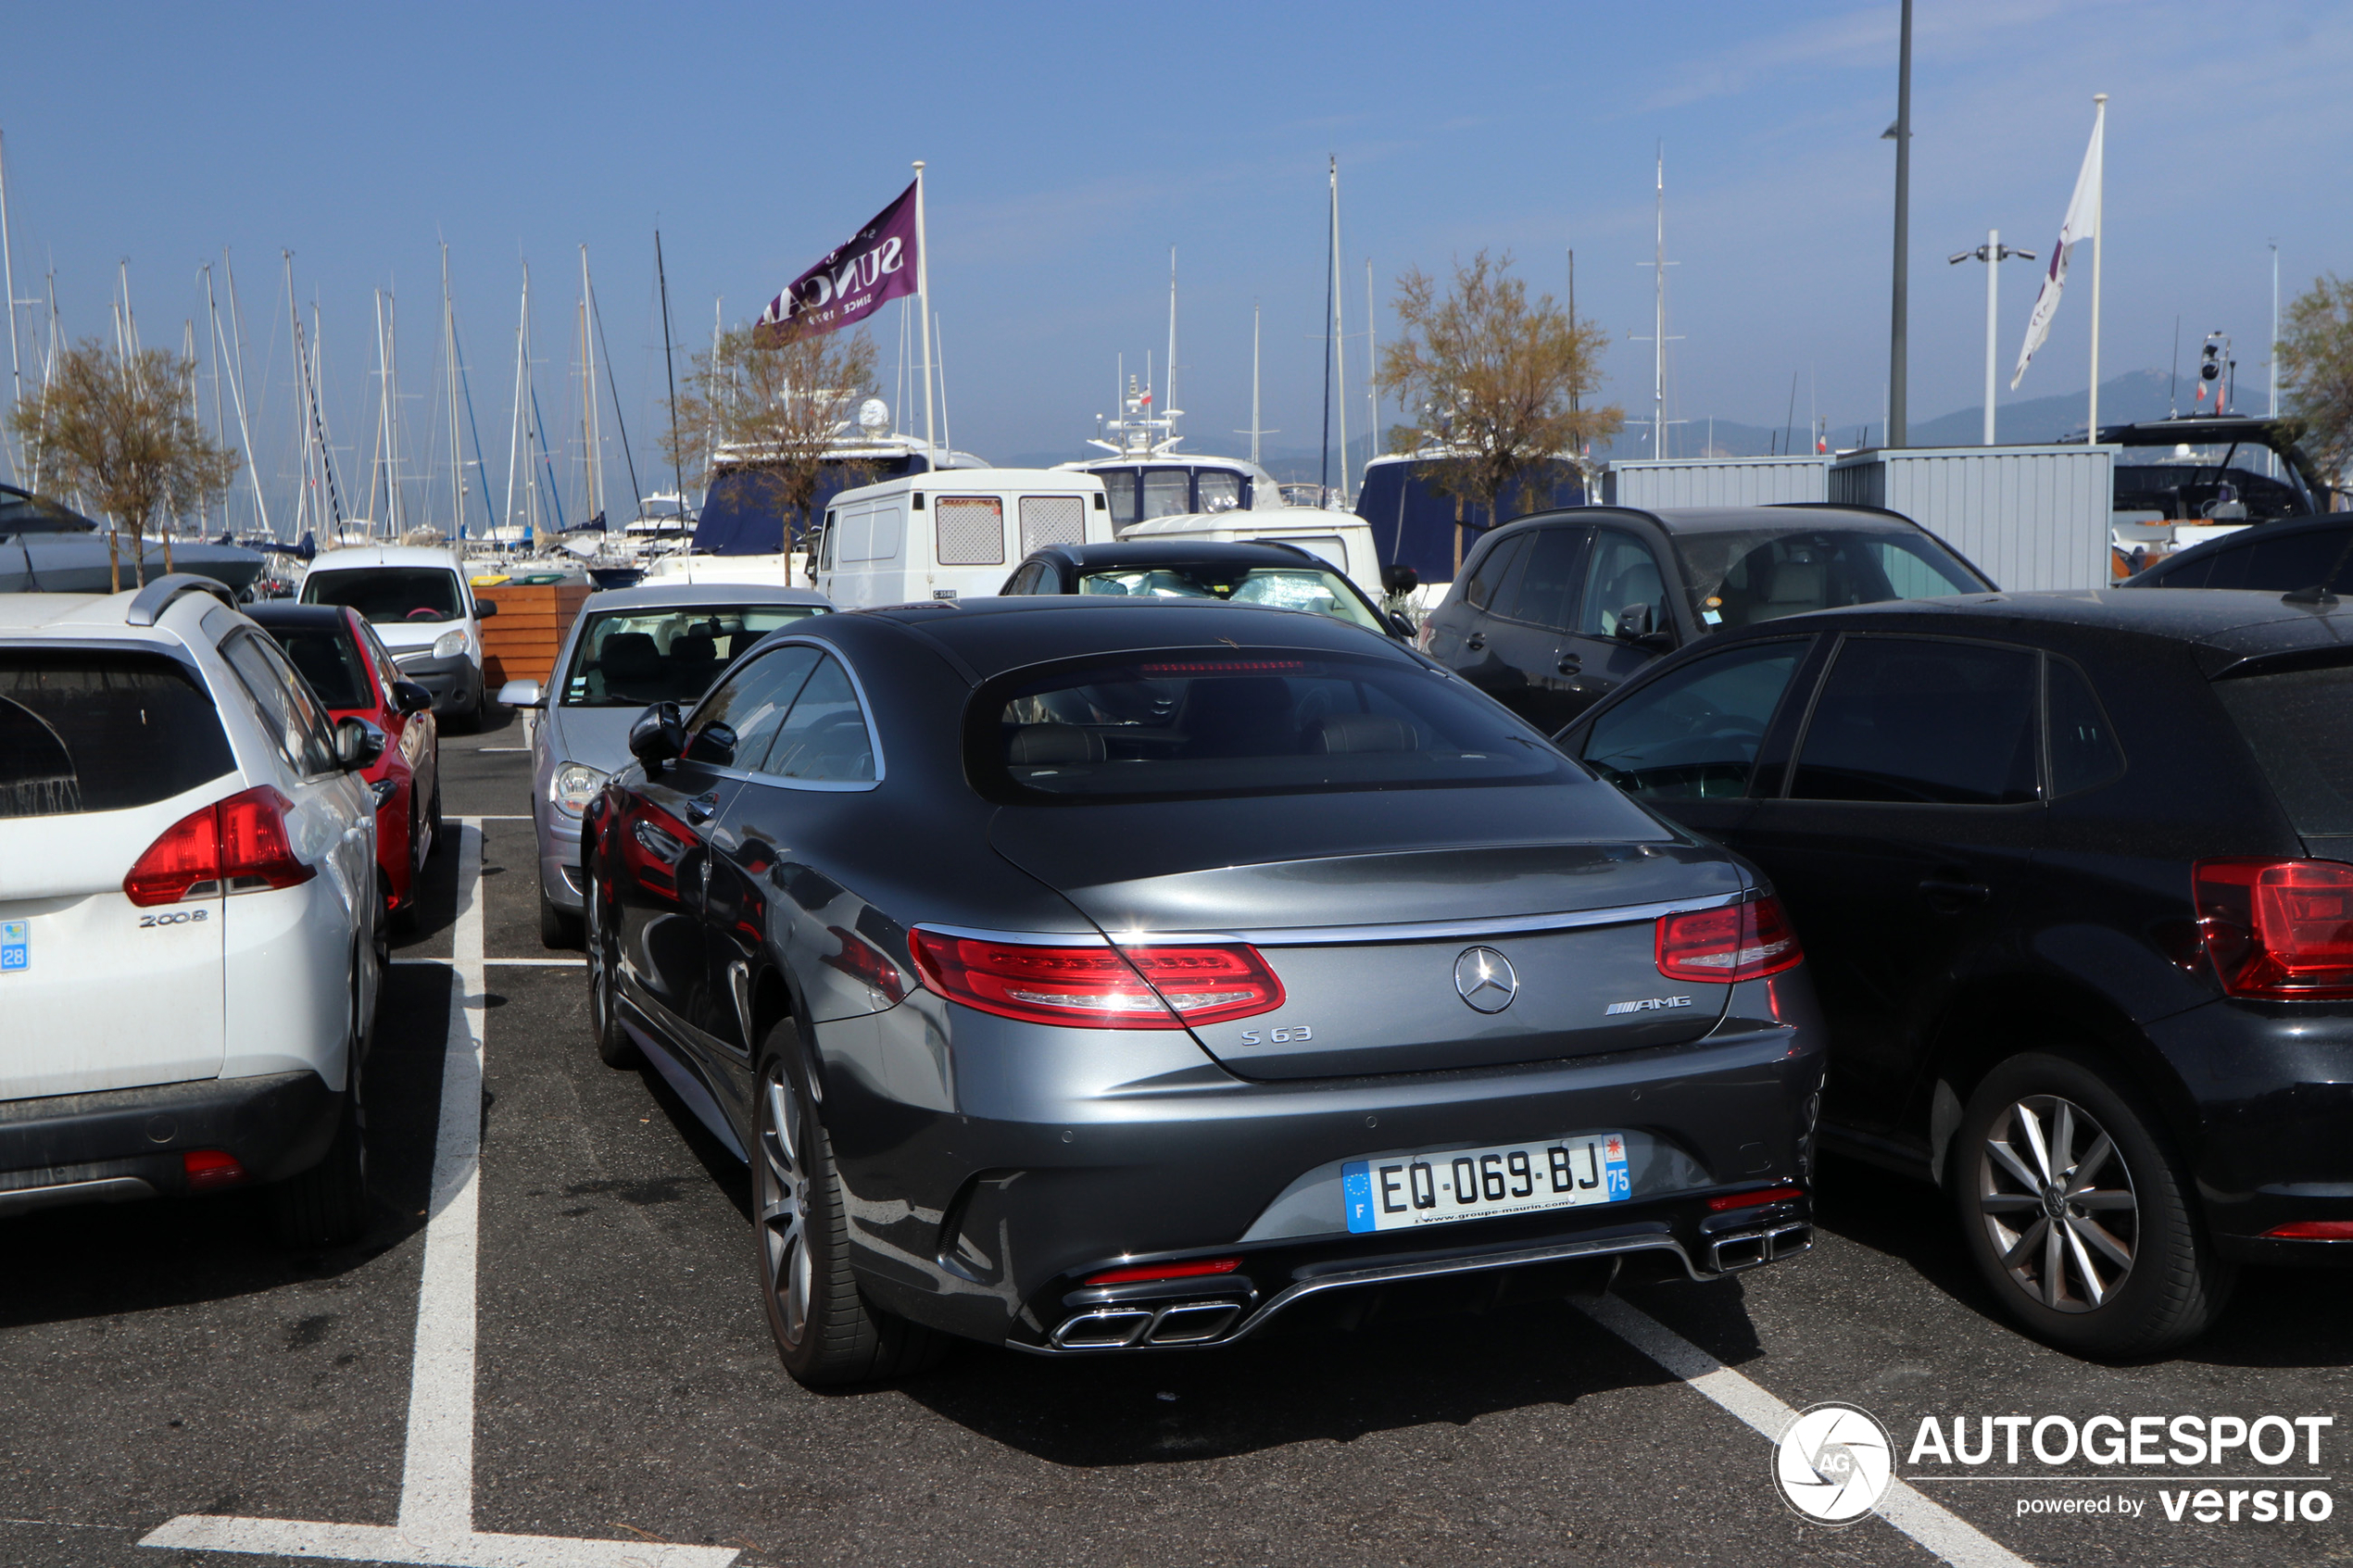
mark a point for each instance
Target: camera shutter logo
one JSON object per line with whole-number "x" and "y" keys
{"x": 1835, "y": 1464}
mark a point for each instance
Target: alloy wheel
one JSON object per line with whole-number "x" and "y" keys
{"x": 781, "y": 1182}
{"x": 599, "y": 964}
{"x": 2057, "y": 1204}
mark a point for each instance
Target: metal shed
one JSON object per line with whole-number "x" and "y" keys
{"x": 2029, "y": 517}
{"x": 1717, "y": 481}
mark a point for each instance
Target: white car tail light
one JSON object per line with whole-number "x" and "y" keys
{"x": 239, "y": 843}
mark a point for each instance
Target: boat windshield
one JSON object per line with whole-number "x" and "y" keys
{"x": 1277, "y": 587}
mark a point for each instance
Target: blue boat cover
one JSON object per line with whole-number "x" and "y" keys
{"x": 1413, "y": 521}
{"x": 740, "y": 516}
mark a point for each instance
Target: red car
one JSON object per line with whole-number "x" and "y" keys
{"x": 339, "y": 654}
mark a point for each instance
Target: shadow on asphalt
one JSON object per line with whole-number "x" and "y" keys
{"x": 2276, "y": 1318}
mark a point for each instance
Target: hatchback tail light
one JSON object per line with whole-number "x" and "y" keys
{"x": 1099, "y": 987}
{"x": 2281, "y": 930}
{"x": 1737, "y": 942}
{"x": 239, "y": 843}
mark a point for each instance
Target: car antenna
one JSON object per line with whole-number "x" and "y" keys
{"x": 2318, "y": 596}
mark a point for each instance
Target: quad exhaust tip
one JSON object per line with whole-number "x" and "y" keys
{"x": 1117, "y": 1328}
{"x": 1751, "y": 1249}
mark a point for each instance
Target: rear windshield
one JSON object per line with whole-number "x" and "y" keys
{"x": 1280, "y": 587}
{"x": 328, "y": 661}
{"x": 627, "y": 658}
{"x": 2301, "y": 727}
{"x": 1186, "y": 725}
{"x": 1743, "y": 576}
{"x": 389, "y": 595}
{"x": 102, "y": 730}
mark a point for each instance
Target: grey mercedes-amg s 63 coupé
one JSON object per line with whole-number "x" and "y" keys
{"x": 1092, "y": 977}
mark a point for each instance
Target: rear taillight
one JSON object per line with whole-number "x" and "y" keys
{"x": 210, "y": 1168}
{"x": 2281, "y": 930}
{"x": 1099, "y": 987}
{"x": 240, "y": 842}
{"x": 1737, "y": 942}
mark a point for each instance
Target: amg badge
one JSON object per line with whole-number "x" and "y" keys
{"x": 1648, "y": 1004}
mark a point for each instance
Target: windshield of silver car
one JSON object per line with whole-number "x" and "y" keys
{"x": 629, "y": 658}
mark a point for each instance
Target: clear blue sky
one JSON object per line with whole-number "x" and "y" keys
{"x": 1071, "y": 146}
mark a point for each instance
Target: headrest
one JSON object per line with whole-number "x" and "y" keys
{"x": 1033, "y": 744}
{"x": 1366, "y": 732}
{"x": 693, "y": 648}
{"x": 629, "y": 656}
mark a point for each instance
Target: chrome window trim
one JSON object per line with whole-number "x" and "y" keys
{"x": 768, "y": 648}
{"x": 1363, "y": 935}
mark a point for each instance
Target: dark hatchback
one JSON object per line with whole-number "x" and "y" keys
{"x": 1103, "y": 975}
{"x": 2277, "y": 558}
{"x": 2075, "y": 871}
{"x": 1553, "y": 612}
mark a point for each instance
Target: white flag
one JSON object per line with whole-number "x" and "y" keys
{"x": 2080, "y": 224}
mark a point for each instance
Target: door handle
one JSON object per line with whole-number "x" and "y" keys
{"x": 1569, "y": 664}
{"x": 700, "y": 809}
{"x": 1939, "y": 889}
{"x": 1476, "y": 641}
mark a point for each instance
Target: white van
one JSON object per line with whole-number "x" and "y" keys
{"x": 1342, "y": 538}
{"x": 419, "y": 600}
{"x": 944, "y": 535}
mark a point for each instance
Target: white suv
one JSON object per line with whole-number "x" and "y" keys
{"x": 418, "y": 599}
{"x": 189, "y": 951}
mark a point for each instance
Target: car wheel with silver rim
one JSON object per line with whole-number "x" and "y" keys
{"x": 615, "y": 1048}
{"x": 826, "y": 1332}
{"x": 2077, "y": 1212}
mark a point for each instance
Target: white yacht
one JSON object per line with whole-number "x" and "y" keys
{"x": 1146, "y": 477}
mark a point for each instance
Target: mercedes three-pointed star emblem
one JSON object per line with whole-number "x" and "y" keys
{"x": 1484, "y": 979}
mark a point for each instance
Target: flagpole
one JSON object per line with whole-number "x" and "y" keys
{"x": 2099, "y": 221}
{"x": 922, "y": 301}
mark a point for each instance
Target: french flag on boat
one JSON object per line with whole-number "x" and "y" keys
{"x": 876, "y": 266}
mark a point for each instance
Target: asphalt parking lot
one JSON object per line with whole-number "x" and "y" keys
{"x": 163, "y": 1361}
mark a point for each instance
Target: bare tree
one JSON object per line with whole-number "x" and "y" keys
{"x": 1503, "y": 386}
{"x": 771, "y": 400}
{"x": 2316, "y": 371}
{"x": 118, "y": 430}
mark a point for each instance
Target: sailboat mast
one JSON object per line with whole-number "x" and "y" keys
{"x": 237, "y": 386}
{"x": 514, "y": 421}
{"x": 669, "y": 376}
{"x": 1372, "y": 370}
{"x": 450, "y": 367}
{"x": 592, "y": 423}
{"x": 8, "y": 281}
{"x": 1658, "y": 323}
{"x": 219, "y": 415}
{"x": 1253, "y": 383}
{"x": 383, "y": 416}
{"x": 1339, "y": 342}
{"x": 1168, "y": 411}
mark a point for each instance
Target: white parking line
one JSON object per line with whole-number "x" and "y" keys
{"x": 435, "y": 1522}
{"x": 1931, "y": 1524}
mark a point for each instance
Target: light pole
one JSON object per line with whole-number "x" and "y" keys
{"x": 1993, "y": 253}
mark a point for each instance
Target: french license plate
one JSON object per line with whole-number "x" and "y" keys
{"x": 1479, "y": 1183}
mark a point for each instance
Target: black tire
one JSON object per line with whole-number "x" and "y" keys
{"x": 826, "y": 1332}
{"x": 557, "y": 928}
{"x": 432, "y": 812}
{"x": 615, "y": 1048}
{"x": 327, "y": 1205}
{"x": 2095, "y": 1244}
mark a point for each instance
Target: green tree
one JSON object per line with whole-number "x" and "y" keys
{"x": 769, "y": 401}
{"x": 1503, "y": 384}
{"x": 118, "y": 431}
{"x": 2316, "y": 370}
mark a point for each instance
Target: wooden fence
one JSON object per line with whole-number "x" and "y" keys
{"x": 520, "y": 641}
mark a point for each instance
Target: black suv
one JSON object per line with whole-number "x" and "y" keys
{"x": 1552, "y": 613}
{"x": 2073, "y": 872}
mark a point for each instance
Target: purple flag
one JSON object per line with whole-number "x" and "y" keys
{"x": 854, "y": 280}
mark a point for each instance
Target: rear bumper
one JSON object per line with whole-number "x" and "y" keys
{"x": 2270, "y": 1087}
{"x": 984, "y": 1216}
{"x": 127, "y": 1143}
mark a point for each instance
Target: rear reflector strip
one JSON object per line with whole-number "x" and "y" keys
{"x": 1782, "y": 1193}
{"x": 210, "y": 1168}
{"x": 2312, "y": 1230}
{"x": 1141, "y": 1272}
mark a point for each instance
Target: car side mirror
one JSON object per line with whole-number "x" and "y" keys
{"x": 657, "y": 736}
{"x": 1633, "y": 623}
{"x": 714, "y": 744}
{"x": 1402, "y": 625}
{"x": 409, "y": 697}
{"x": 358, "y": 744}
{"x": 522, "y": 694}
{"x": 485, "y": 609}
